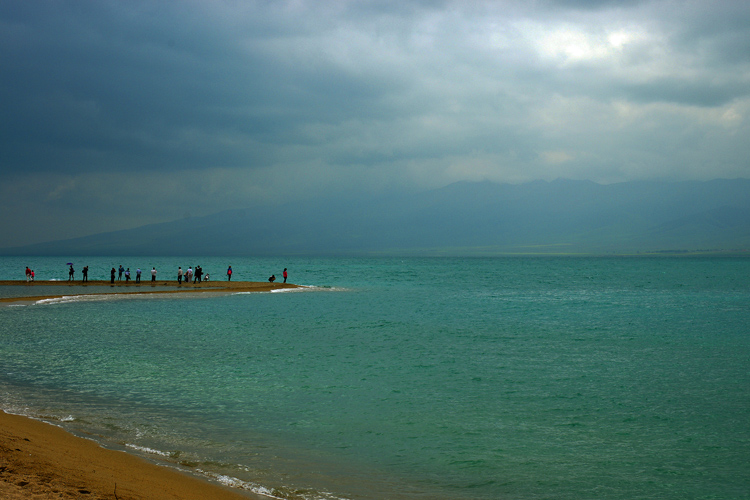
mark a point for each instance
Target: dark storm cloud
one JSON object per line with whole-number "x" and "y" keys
{"x": 107, "y": 85}
{"x": 142, "y": 85}
{"x": 199, "y": 106}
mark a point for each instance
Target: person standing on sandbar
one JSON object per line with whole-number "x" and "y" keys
{"x": 229, "y": 274}
{"x": 112, "y": 276}
{"x": 153, "y": 274}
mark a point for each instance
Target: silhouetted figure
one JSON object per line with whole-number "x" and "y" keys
{"x": 229, "y": 274}
{"x": 71, "y": 272}
{"x": 272, "y": 278}
{"x": 85, "y": 272}
{"x": 112, "y": 276}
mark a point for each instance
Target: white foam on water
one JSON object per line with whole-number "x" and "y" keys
{"x": 310, "y": 288}
{"x": 233, "y": 482}
{"x": 150, "y": 451}
{"x": 101, "y": 297}
{"x": 73, "y": 298}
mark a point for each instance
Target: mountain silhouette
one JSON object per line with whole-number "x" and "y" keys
{"x": 465, "y": 218}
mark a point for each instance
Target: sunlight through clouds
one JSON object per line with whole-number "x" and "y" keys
{"x": 570, "y": 44}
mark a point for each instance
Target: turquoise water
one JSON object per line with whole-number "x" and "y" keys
{"x": 507, "y": 378}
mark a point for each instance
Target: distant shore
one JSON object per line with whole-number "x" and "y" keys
{"x": 79, "y": 287}
{"x": 38, "y": 460}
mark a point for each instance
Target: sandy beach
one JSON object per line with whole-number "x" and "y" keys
{"x": 42, "y": 461}
{"x": 68, "y": 288}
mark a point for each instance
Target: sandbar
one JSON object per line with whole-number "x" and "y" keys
{"x": 159, "y": 286}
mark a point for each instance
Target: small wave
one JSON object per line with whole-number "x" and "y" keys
{"x": 280, "y": 494}
{"x": 300, "y": 288}
{"x": 70, "y": 298}
{"x": 331, "y": 289}
{"x": 101, "y": 297}
{"x": 150, "y": 451}
{"x": 239, "y": 484}
{"x": 314, "y": 288}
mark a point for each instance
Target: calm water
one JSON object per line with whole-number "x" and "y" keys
{"x": 508, "y": 378}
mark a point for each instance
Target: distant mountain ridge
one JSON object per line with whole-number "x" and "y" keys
{"x": 465, "y": 218}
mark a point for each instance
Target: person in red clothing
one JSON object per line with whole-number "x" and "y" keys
{"x": 285, "y": 275}
{"x": 28, "y": 274}
{"x": 229, "y": 274}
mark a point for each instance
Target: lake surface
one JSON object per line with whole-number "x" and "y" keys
{"x": 444, "y": 378}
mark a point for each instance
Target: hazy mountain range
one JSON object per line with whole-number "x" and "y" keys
{"x": 465, "y": 218}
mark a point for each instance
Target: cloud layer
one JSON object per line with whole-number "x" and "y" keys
{"x": 118, "y": 114}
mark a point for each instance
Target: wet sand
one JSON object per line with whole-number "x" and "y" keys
{"x": 42, "y": 461}
{"x": 68, "y": 288}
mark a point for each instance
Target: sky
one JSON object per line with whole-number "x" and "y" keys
{"x": 117, "y": 114}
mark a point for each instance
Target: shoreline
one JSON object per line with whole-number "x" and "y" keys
{"x": 42, "y": 460}
{"x": 39, "y": 459}
{"x": 173, "y": 287}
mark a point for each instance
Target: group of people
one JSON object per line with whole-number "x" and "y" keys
{"x": 197, "y": 275}
{"x": 120, "y": 271}
{"x": 273, "y": 276}
{"x": 72, "y": 272}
